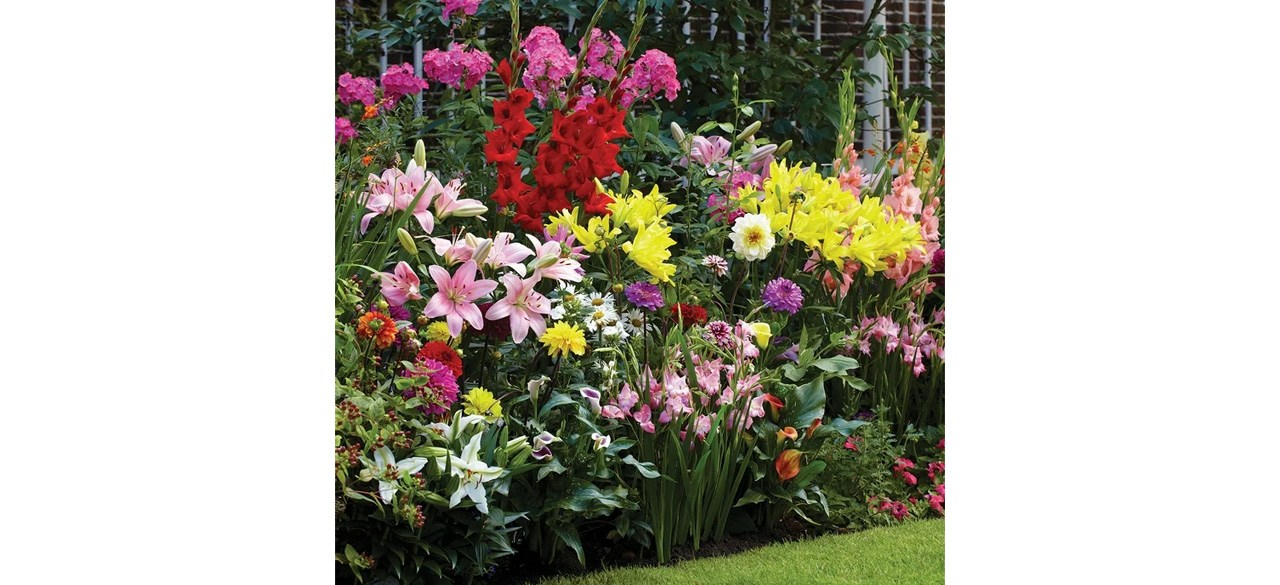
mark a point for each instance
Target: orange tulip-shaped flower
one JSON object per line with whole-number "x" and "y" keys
{"x": 787, "y": 464}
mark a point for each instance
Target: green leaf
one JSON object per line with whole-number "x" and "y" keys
{"x": 751, "y": 497}
{"x": 846, "y": 427}
{"x": 646, "y": 469}
{"x": 569, "y": 534}
{"x": 557, "y": 399}
{"x": 806, "y": 403}
{"x": 836, "y": 364}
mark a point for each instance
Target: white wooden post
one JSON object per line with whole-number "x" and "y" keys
{"x": 711, "y": 35}
{"x": 906, "y": 55}
{"x": 417, "y": 68}
{"x": 382, "y": 59}
{"x": 817, "y": 21}
{"x": 685, "y": 28}
{"x": 873, "y": 94}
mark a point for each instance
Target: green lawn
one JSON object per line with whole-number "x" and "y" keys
{"x": 908, "y": 554}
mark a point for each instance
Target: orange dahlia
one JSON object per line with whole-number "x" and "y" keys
{"x": 377, "y": 326}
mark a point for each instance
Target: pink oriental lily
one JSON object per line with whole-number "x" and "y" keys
{"x": 552, "y": 262}
{"x": 395, "y": 190}
{"x": 457, "y": 295}
{"x": 523, "y": 305}
{"x": 401, "y": 286}
{"x": 448, "y": 204}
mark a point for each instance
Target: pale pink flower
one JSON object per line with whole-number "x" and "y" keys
{"x": 448, "y": 204}
{"x": 905, "y": 200}
{"x": 455, "y": 299}
{"x": 701, "y": 426}
{"x": 550, "y": 262}
{"x": 612, "y": 411}
{"x": 396, "y": 189}
{"x": 456, "y": 250}
{"x": 503, "y": 252}
{"x": 643, "y": 417}
{"x": 627, "y": 398}
{"x": 401, "y": 285}
{"x": 718, "y": 265}
{"x": 523, "y": 305}
{"x": 708, "y": 151}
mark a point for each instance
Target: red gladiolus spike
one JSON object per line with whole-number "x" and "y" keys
{"x": 504, "y": 72}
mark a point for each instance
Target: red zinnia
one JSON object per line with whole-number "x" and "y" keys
{"x": 441, "y": 352}
{"x": 689, "y": 314}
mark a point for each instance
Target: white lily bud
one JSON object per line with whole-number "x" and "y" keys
{"x": 749, "y": 131}
{"x": 420, "y": 154}
{"x": 406, "y": 241}
{"x": 468, "y": 208}
{"x": 678, "y": 133}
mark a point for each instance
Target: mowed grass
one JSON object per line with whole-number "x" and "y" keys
{"x": 911, "y": 554}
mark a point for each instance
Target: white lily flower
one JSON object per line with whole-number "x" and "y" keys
{"x": 474, "y": 474}
{"x": 382, "y": 458}
{"x": 452, "y": 431}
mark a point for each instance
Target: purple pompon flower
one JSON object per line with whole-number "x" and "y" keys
{"x": 720, "y": 333}
{"x": 782, "y": 295}
{"x": 939, "y": 262}
{"x": 645, "y": 295}
{"x": 399, "y": 312}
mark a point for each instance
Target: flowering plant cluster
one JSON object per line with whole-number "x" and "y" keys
{"x": 563, "y": 349}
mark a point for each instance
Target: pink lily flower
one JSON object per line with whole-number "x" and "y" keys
{"x": 401, "y": 286}
{"x": 523, "y": 305}
{"x": 461, "y": 248}
{"x": 448, "y": 204}
{"x": 549, "y": 262}
{"x": 395, "y": 190}
{"x": 456, "y": 297}
{"x": 503, "y": 252}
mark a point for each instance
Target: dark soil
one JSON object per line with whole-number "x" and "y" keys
{"x": 524, "y": 568}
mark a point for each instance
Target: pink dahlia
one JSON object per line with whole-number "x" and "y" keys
{"x": 438, "y": 386}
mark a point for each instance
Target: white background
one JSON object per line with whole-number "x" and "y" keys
{"x": 167, "y": 357}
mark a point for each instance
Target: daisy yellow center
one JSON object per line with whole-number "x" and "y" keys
{"x": 754, "y": 236}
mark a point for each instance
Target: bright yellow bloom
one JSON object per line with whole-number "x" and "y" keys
{"x": 438, "y": 331}
{"x": 650, "y": 250}
{"x": 594, "y": 237}
{"x": 638, "y": 209}
{"x": 481, "y": 401}
{"x": 762, "y": 333}
{"x": 563, "y": 338}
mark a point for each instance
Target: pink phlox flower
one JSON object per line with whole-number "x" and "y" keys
{"x": 357, "y": 89}
{"x": 603, "y": 54}
{"x": 466, "y": 7}
{"x": 524, "y": 306}
{"x": 549, "y": 63}
{"x": 343, "y": 130}
{"x": 653, "y": 73}
{"x": 460, "y": 67}
{"x": 400, "y": 285}
{"x": 456, "y": 296}
{"x": 400, "y": 81}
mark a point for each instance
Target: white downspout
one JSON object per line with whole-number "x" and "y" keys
{"x": 873, "y": 136}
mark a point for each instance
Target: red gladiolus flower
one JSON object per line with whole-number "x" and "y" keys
{"x": 504, "y": 72}
{"x": 787, "y": 464}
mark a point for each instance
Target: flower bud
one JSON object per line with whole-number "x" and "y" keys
{"x": 420, "y": 154}
{"x": 468, "y": 208}
{"x": 429, "y": 451}
{"x": 749, "y": 131}
{"x": 761, "y": 153}
{"x": 677, "y": 133}
{"x": 406, "y": 242}
{"x": 786, "y": 147}
{"x": 626, "y": 182}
